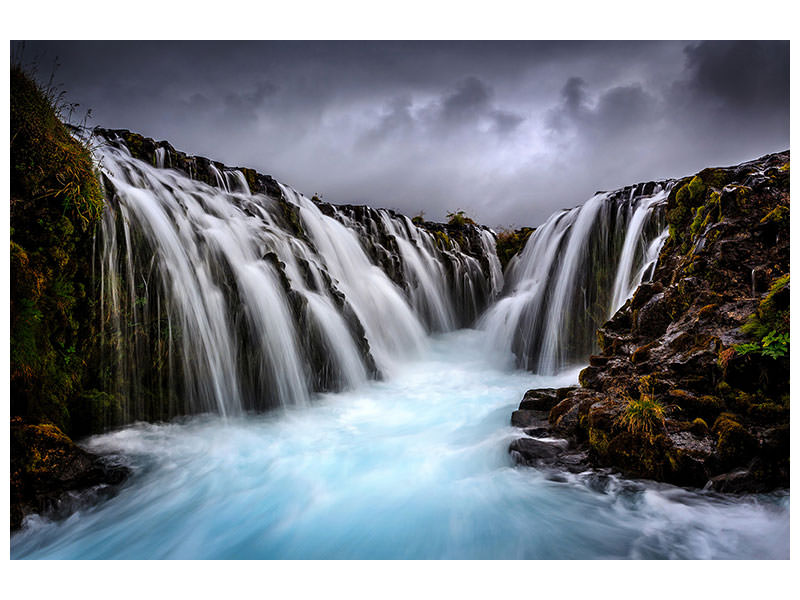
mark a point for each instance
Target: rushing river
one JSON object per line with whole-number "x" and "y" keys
{"x": 415, "y": 466}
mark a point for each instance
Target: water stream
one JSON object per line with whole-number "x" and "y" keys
{"x": 413, "y": 467}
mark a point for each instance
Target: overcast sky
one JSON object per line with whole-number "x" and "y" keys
{"x": 507, "y": 131}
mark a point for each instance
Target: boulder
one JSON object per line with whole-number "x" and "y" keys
{"x": 543, "y": 399}
{"x": 46, "y": 465}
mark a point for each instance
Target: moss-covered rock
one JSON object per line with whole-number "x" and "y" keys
{"x": 45, "y": 464}
{"x": 510, "y": 242}
{"x": 56, "y": 202}
{"x": 720, "y": 284}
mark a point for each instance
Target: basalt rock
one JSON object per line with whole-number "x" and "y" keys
{"x": 47, "y": 468}
{"x": 703, "y": 346}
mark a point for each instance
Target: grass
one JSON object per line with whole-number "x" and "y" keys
{"x": 643, "y": 417}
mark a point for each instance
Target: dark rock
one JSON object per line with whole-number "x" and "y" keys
{"x": 529, "y": 418}
{"x": 735, "y": 482}
{"x": 721, "y": 280}
{"x": 46, "y": 465}
{"x": 598, "y": 361}
{"x": 531, "y": 450}
{"x": 538, "y": 432}
{"x": 543, "y": 399}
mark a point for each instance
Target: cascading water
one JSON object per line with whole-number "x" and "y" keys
{"x": 574, "y": 273}
{"x": 216, "y": 299}
{"x": 220, "y": 301}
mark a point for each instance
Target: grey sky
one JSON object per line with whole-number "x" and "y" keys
{"x": 508, "y": 131}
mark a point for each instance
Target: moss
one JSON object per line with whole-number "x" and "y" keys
{"x": 56, "y": 202}
{"x": 251, "y": 177}
{"x": 442, "y": 240}
{"x": 734, "y": 443}
{"x": 779, "y": 215}
{"x": 768, "y": 413}
{"x": 511, "y": 242}
{"x": 699, "y": 215}
{"x": 699, "y": 427}
{"x": 641, "y": 354}
{"x": 705, "y": 407}
{"x": 598, "y": 442}
{"x": 707, "y": 311}
{"x": 772, "y": 313}
{"x": 716, "y": 178}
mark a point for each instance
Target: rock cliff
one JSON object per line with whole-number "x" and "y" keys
{"x": 692, "y": 382}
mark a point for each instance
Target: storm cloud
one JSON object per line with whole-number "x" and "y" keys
{"x": 508, "y": 131}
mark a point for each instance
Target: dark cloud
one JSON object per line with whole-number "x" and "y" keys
{"x": 508, "y": 131}
{"x": 506, "y": 121}
{"x": 471, "y": 98}
{"x": 740, "y": 74}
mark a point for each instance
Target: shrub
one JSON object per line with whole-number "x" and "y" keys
{"x": 459, "y": 218}
{"x": 643, "y": 417}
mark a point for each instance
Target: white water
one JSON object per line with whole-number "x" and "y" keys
{"x": 574, "y": 273}
{"x": 413, "y": 467}
{"x": 212, "y": 302}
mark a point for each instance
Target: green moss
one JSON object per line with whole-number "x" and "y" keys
{"x": 510, "y": 242}
{"x": 56, "y": 202}
{"x": 598, "y": 442}
{"x": 699, "y": 427}
{"x": 734, "y": 443}
{"x": 716, "y": 178}
{"x": 768, "y": 413}
{"x": 769, "y": 325}
{"x": 779, "y": 214}
{"x": 442, "y": 240}
{"x": 250, "y": 176}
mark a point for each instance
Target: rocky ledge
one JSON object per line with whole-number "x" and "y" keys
{"x": 691, "y": 383}
{"x": 50, "y": 475}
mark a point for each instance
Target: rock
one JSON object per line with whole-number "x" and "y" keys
{"x": 538, "y": 432}
{"x": 531, "y": 450}
{"x": 721, "y": 280}
{"x": 735, "y": 482}
{"x": 543, "y": 399}
{"x": 529, "y": 418}
{"x": 565, "y": 416}
{"x": 596, "y": 360}
{"x": 46, "y": 465}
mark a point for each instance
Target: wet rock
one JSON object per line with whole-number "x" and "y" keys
{"x": 542, "y": 399}
{"x": 735, "y": 482}
{"x": 538, "y": 432}
{"x": 46, "y": 466}
{"x": 721, "y": 280}
{"x": 529, "y": 418}
{"x": 598, "y": 361}
{"x": 531, "y": 450}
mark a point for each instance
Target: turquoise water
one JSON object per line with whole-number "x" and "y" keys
{"x": 415, "y": 466}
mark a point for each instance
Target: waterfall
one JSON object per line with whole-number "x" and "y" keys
{"x": 215, "y": 299}
{"x": 574, "y": 273}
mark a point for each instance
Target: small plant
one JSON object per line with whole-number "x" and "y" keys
{"x": 773, "y": 345}
{"x": 643, "y": 417}
{"x": 419, "y": 219}
{"x": 459, "y": 217}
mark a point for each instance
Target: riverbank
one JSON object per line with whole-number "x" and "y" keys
{"x": 691, "y": 385}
